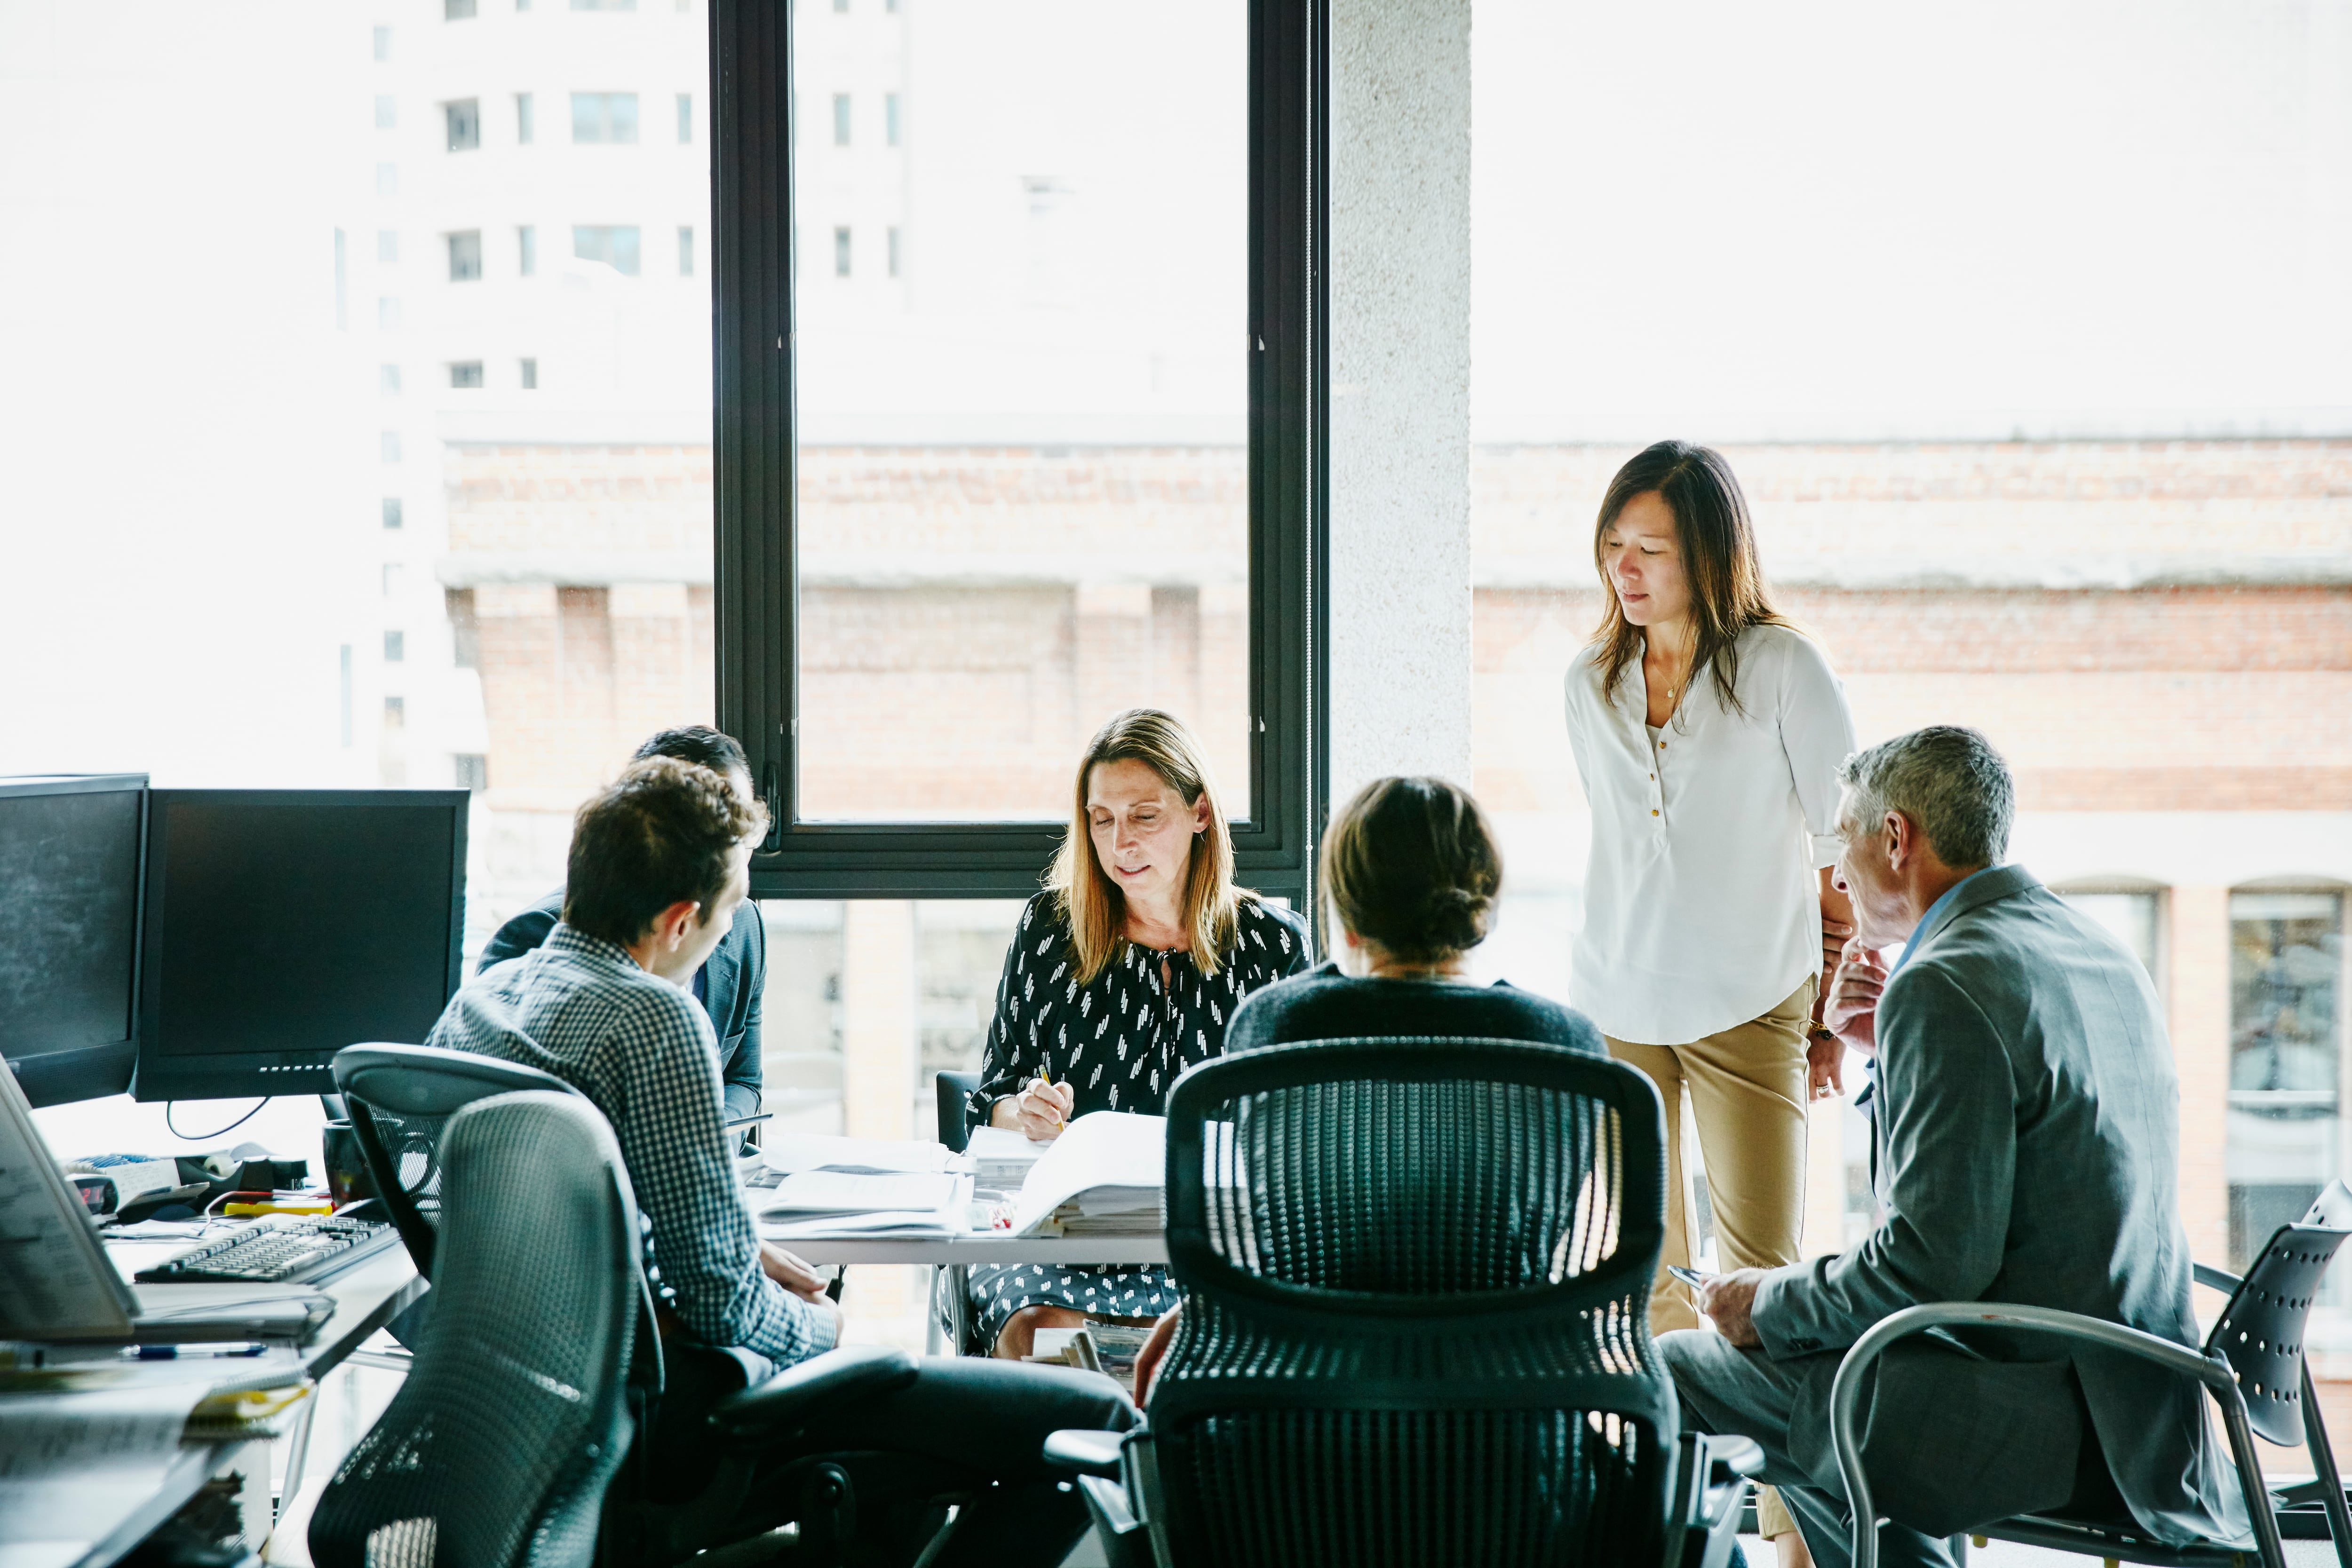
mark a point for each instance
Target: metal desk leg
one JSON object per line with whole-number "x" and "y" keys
{"x": 950, "y": 1325}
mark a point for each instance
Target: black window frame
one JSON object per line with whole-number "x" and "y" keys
{"x": 755, "y": 597}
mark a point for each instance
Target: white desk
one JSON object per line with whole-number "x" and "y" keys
{"x": 953, "y": 1255}
{"x": 366, "y": 1297}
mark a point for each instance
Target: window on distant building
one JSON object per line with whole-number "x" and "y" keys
{"x": 465, "y": 628}
{"x": 841, "y": 120}
{"x": 387, "y": 111}
{"x": 392, "y": 580}
{"x": 387, "y": 247}
{"x": 387, "y": 313}
{"x": 615, "y": 244}
{"x": 530, "y": 369}
{"x": 456, "y": 10}
{"x": 524, "y": 128}
{"x": 890, "y": 118}
{"x": 894, "y": 250}
{"x": 608, "y": 117}
{"x": 395, "y": 713}
{"x": 387, "y": 379}
{"x": 841, "y": 7}
{"x": 685, "y": 119}
{"x": 604, "y": 5}
{"x": 466, "y": 256}
{"x": 841, "y": 252}
{"x": 388, "y": 445}
{"x": 2286, "y": 1042}
{"x": 391, "y": 511}
{"x": 471, "y": 770}
{"x": 463, "y": 118}
{"x": 685, "y": 251}
{"x": 395, "y": 647}
{"x": 387, "y": 179}
{"x": 465, "y": 374}
{"x": 527, "y": 251}
{"x": 383, "y": 43}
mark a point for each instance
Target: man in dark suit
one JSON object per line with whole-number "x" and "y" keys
{"x": 2028, "y": 1151}
{"x": 729, "y": 983}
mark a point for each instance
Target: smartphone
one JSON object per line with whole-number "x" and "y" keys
{"x": 1690, "y": 1276}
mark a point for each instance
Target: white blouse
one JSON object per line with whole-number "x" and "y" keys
{"x": 1701, "y": 905}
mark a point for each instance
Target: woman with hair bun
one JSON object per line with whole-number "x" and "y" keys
{"x": 1409, "y": 874}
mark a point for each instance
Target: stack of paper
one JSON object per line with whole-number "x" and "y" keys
{"x": 793, "y": 1152}
{"x": 1002, "y": 1159}
{"x": 1102, "y": 1177}
{"x": 808, "y": 1194}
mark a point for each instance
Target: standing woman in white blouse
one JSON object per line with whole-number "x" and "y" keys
{"x": 1708, "y": 731}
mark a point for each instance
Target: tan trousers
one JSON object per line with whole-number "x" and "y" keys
{"x": 1746, "y": 1089}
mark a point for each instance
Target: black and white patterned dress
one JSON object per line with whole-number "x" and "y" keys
{"x": 1119, "y": 1042}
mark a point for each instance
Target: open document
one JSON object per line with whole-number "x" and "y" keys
{"x": 1101, "y": 1178}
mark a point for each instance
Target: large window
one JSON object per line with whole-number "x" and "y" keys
{"x": 2286, "y": 1058}
{"x": 1042, "y": 448}
{"x": 2013, "y": 320}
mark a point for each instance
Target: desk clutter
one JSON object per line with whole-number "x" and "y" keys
{"x": 1100, "y": 1177}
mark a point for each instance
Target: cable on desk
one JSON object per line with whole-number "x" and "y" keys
{"x": 169, "y": 1105}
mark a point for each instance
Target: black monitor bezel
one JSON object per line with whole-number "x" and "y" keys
{"x": 88, "y": 1071}
{"x": 258, "y": 1073}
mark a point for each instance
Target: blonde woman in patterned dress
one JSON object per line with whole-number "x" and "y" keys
{"x": 1121, "y": 975}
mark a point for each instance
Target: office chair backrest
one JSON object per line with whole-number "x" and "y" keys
{"x": 955, "y": 1091}
{"x": 497, "y": 1448}
{"x": 2261, "y": 1332}
{"x": 1418, "y": 1276}
{"x": 401, "y": 1096}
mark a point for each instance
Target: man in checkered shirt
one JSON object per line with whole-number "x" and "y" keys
{"x": 659, "y": 863}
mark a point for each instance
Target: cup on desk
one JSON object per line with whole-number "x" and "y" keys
{"x": 347, "y": 1174}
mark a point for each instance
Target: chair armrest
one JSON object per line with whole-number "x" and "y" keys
{"x": 1727, "y": 1456}
{"x": 1087, "y": 1450}
{"x": 799, "y": 1394}
{"x": 2215, "y": 1279}
{"x": 1845, "y": 1394}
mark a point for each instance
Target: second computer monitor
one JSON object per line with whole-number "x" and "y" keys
{"x": 281, "y": 925}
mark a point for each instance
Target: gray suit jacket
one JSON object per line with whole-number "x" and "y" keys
{"x": 2028, "y": 1128}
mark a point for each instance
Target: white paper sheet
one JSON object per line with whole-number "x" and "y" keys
{"x": 75, "y": 1465}
{"x": 823, "y": 1192}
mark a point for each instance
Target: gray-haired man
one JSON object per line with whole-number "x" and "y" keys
{"x": 2028, "y": 1151}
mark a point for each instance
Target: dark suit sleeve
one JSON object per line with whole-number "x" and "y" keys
{"x": 1948, "y": 1101}
{"x": 744, "y": 1081}
{"x": 522, "y": 934}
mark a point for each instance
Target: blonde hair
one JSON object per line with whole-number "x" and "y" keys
{"x": 1085, "y": 896}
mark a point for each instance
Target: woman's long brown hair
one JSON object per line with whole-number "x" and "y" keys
{"x": 1718, "y": 539}
{"x": 1088, "y": 899}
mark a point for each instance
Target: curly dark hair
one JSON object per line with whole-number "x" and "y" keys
{"x": 664, "y": 832}
{"x": 1410, "y": 863}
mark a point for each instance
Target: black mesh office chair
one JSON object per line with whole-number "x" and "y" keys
{"x": 2251, "y": 1364}
{"x": 1416, "y": 1327}
{"x": 499, "y": 1446}
{"x": 400, "y": 1098}
{"x": 955, "y": 1092}
{"x": 696, "y": 1474}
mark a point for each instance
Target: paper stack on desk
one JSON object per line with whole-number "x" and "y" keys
{"x": 1002, "y": 1159}
{"x": 808, "y": 1194}
{"x": 793, "y": 1152}
{"x": 1101, "y": 1178}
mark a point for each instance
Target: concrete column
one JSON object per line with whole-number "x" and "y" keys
{"x": 2198, "y": 960}
{"x": 1400, "y": 588}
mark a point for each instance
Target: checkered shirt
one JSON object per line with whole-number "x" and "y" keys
{"x": 580, "y": 1007}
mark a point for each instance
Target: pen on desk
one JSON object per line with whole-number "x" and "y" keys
{"x": 190, "y": 1352}
{"x": 746, "y": 1120}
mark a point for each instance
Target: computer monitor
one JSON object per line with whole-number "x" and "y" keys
{"x": 69, "y": 847}
{"x": 281, "y": 925}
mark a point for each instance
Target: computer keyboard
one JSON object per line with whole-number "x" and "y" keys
{"x": 278, "y": 1250}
